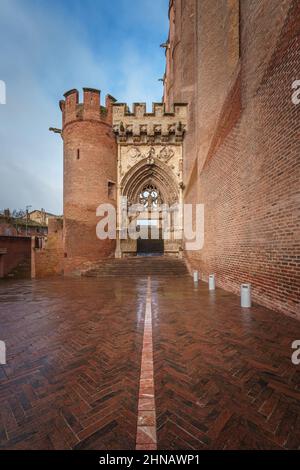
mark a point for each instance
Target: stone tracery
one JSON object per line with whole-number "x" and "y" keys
{"x": 142, "y": 174}
{"x": 150, "y": 197}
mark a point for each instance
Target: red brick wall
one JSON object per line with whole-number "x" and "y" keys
{"x": 90, "y": 162}
{"x": 246, "y": 145}
{"x": 8, "y": 229}
{"x": 180, "y": 61}
{"x": 18, "y": 250}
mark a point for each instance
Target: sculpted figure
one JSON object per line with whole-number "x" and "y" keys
{"x": 166, "y": 154}
{"x": 134, "y": 153}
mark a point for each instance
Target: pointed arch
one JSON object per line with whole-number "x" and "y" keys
{"x": 146, "y": 173}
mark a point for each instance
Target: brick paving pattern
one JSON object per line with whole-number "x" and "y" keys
{"x": 72, "y": 373}
{"x": 146, "y": 424}
{"x": 223, "y": 376}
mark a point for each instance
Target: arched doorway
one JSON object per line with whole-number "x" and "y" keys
{"x": 150, "y": 158}
{"x": 152, "y": 243}
{"x": 149, "y": 186}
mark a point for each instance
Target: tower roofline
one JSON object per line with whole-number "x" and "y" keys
{"x": 70, "y": 92}
{"x": 90, "y": 108}
{"x": 92, "y": 90}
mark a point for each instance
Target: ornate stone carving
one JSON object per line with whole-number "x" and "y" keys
{"x": 151, "y": 156}
{"x": 151, "y": 139}
{"x": 151, "y": 152}
{"x": 134, "y": 153}
{"x": 165, "y": 127}
{"x": 150, "y": 197}
{"x": 173, "y": 198}
{"x": 166, "y": 154}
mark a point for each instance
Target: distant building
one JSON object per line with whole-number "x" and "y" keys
{"x": 40, "y": 216}
{"x": 34, "y": 223}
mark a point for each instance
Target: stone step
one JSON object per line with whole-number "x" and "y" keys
{"x": 144, "y": 266}
{"x": 21, "y": 271}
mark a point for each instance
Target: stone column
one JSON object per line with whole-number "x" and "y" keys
{"x": 118, "y": 252}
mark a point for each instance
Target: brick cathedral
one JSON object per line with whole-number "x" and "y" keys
{"x": 129, "y": 349}
{"x": 225, "y": 135}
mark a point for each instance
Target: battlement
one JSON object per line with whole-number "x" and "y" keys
{"x": 178, "y": 110}
{"x": 90, "y": 108}
{"x": 157, "y": 126}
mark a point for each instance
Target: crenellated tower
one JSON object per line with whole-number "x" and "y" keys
{"x": 90, "y": 174}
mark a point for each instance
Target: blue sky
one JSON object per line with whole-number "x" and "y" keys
{"x": 49, "y": 47}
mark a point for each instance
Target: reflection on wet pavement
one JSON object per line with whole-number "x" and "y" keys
{"x": 73, "y": 363}
{"x": 223, "y": 375}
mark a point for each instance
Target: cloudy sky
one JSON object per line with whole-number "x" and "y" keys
{"x": 49, "y": 47}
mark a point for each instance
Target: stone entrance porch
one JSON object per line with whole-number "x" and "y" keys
{"x": 150, "y": 174}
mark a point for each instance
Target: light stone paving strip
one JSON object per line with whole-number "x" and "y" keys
{"x": 146, "y": 425}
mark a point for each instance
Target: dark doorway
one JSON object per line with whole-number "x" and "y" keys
{"x": 150, "y": 245}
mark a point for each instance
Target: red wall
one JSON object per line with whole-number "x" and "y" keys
{"x": 90, "y": 161}
{"x": 18, "y": 250}
{"x": 243, "y": 146}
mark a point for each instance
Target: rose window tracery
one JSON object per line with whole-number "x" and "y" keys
{"x": 150, "y": 197}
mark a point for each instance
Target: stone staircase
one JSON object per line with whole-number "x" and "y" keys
{"x": 139, "y": 267}
{"x": 21, "y": 271}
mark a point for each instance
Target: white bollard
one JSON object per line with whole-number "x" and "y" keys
{"x": 245, "y": 295}
{"x": 211, "y": 282}
{"x": 196, "y": 276}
